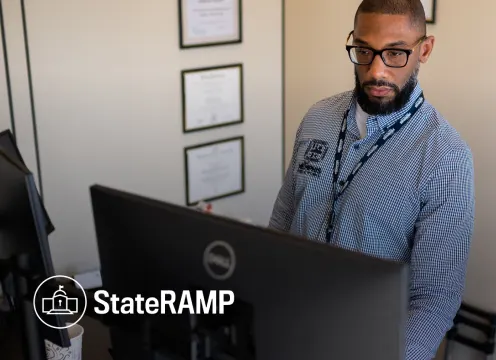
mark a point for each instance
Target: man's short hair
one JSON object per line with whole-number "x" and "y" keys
{"x": 412, "y": 8}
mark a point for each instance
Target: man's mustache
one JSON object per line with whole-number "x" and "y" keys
{"x": 381, "y": 83}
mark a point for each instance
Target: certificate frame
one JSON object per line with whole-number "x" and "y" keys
{"x": 186, "y": 41}
{"x": 430, "y": 11}
{"x": 186, "y": 96}
{"x": 239, "y": 139}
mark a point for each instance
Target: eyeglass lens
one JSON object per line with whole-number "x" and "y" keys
{"x": 364, "y": 56}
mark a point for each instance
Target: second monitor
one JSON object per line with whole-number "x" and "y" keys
{"x": 295, "y": 299}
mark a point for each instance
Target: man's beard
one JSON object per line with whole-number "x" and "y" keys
{"x": 378, "y": 107}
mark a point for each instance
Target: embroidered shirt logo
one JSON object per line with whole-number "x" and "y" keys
{"x": 315, "y": 152}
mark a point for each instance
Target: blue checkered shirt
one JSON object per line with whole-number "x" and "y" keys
{"x": 413, "y": 201}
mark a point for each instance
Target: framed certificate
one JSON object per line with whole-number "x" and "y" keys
{"x": 214, "y": 170}
{"x": 430, "y": 10}
{"x": 212, "y": 97}
{"x": 209, "y": 23}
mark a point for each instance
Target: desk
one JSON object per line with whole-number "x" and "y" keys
{"x": 96, "y": 342}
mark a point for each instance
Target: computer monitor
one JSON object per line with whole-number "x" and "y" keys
{"x": 8, "y": 144}
{"x": 25, "y": 252}
{"x": 294, "y": 298}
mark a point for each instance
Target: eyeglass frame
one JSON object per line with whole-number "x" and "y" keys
{"x": 375, "y": 52}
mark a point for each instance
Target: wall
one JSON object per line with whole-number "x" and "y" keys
{"x": 5, "y": 122}
{"x": 16, "y": 59}
{"x": 106, "y": 88}
{"x": 457, "y": 80}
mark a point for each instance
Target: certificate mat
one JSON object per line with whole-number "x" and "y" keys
{"x": 430, "y": 10}
{"x": 214, "y": 170}
{"x": 209, "y": 22}
{"x": 212, "y": 97}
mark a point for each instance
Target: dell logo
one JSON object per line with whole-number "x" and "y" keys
{"x": 219, "y": 260}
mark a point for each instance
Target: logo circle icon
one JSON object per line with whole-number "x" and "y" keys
{"x": 219, "y": 260}
{"x": 60, "y": 303}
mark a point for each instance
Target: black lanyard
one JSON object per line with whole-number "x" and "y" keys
{"x": 388, "y": 134}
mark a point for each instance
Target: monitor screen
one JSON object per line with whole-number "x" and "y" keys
{"x": 9, "y": 146}
{"x": 294, "y": 298}
{"x": 24, "y": 246}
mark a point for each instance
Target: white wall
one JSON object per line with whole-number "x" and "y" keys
{"x": 4, "y": 107}
{"x": 106, "y": 79}
{"x": 18, "y": 70}
{"x": 4, "y": 98}
{"x": 456, "y": 80}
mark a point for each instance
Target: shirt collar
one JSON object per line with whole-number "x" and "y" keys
{"x": 383, "y": 121}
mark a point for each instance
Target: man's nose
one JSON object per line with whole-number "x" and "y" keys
{"x": 377, "y": 68}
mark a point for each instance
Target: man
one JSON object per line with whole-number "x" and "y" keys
{"x": 380, "y": 171}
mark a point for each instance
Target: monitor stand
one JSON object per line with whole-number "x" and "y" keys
{"x": 17, "y": 268}
{"x": 187, "y": 337}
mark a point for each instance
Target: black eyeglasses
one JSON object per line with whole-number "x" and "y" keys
{"x": 392, "y": 57}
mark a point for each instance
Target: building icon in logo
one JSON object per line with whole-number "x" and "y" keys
{"x": 60, "y": 304}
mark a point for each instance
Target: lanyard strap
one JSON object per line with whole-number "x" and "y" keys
{"x": 389, "y": 132}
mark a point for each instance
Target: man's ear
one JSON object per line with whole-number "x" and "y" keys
{"x": 426, "y": 49}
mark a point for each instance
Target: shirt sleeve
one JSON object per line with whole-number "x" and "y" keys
{"x": 284, "y": 206}
{"x": 439, "y": 254}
